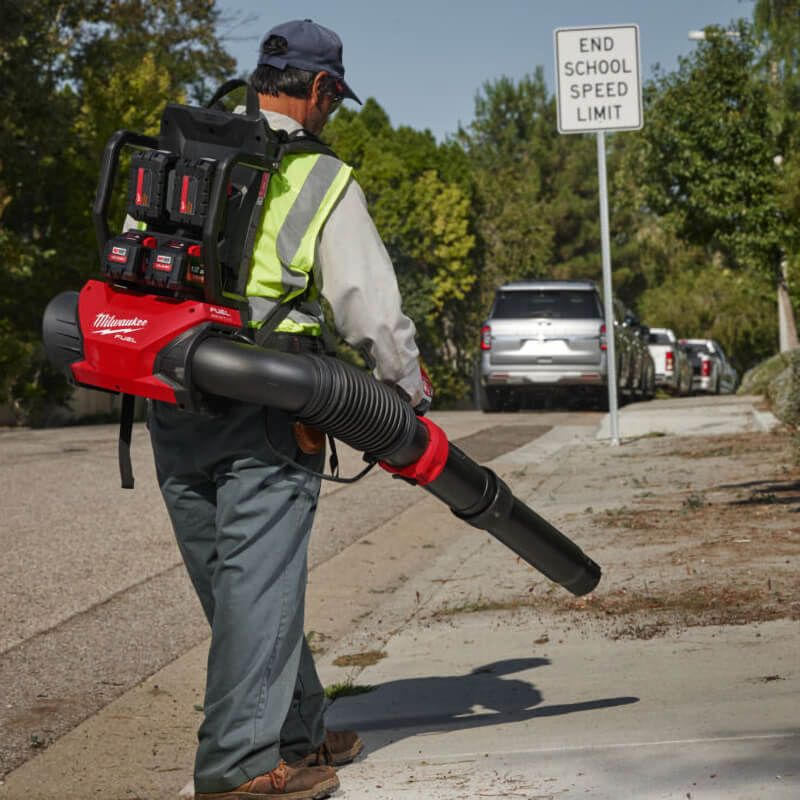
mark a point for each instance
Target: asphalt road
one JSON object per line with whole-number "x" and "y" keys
{"x": 94, "y": 595}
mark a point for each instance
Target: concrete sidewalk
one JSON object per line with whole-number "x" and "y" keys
{"x": 484, "y": 683}
{"x": 689, "y": 416}
{"x": 481, "y": 694}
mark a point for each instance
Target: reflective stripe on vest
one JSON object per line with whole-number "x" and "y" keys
{"x": 299, "y": 199}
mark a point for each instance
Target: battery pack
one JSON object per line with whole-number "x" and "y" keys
{"x": 174, "y": 264}
{"x": 147, "y": 187}
{"x": 189, "y": 191}
{"x": 125, "y": 257}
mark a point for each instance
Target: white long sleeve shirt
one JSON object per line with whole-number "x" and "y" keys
{"x": 356, "y": 276}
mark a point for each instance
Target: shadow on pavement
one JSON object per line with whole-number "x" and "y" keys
{"x": 481, "y": 698}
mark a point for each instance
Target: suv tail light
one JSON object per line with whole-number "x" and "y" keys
{"x": 603, "y": 342}
{"x": 705, "y": 368}
{"x": 670, "y": 358}
{"x": 486, "y": 338}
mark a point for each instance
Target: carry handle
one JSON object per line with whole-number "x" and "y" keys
{"x": 235, "y": 83}
{"x": 108, "y": 171}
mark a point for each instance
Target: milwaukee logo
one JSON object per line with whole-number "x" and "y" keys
{"x": 106, "y": 324}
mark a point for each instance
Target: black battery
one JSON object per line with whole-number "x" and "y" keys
{"x": 189, "y": 191}
{"x": 195, "y": 275}
{"x": 125, "y": 256}
{"x": 173, "y": 264}
{"x": 147, "y": 187}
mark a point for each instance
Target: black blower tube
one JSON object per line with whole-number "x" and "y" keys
{"x": 369, "y": 416}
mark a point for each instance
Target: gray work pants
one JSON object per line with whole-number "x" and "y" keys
{"x": 242, "y": 518}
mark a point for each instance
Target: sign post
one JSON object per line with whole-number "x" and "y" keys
{"x": 598, "y": 89}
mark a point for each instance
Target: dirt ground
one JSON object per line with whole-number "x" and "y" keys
{"x": 708, "y": 533}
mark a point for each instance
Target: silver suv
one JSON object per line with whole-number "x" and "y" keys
{"x": 541, "y": 335}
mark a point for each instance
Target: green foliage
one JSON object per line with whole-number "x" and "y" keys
{"x": 709, "y": 300}
{"x": 536, "y": 191}
{"x": 708, "y": 153}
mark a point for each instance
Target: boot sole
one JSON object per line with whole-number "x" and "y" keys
{"x": 319, "y": 792}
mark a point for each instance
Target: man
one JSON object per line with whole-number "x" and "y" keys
{"x": 242, "y": 514}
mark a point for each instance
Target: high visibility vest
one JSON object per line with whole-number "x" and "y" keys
{"x": 300, "y": 196}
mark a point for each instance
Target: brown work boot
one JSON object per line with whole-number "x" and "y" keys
{"x": 284, "y": 782}
{"x": 338, "y": 749}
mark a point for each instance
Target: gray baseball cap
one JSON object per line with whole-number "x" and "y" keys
{"x": 311, "y": 47}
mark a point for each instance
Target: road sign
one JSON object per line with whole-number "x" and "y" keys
{"x": 598, "y": 79}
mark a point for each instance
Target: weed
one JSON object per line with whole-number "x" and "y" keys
{"x": 694, "y": 502}
{"x": 345, "y": 689}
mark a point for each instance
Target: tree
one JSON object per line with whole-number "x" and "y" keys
{"x": 709, "y": 148}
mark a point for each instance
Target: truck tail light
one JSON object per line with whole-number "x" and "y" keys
{"x": 486, "y": 338}
{"x": 603, "y": 342}
{"x": 670, "y": 361}
{"x": 705, "y": 368}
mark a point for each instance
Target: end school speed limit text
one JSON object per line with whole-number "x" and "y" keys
{"x": 598, "y": 73}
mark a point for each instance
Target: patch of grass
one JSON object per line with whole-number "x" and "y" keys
{"x": 712, "y": 452}
{"x": 694, "y": 502}
{"x": 359, "y": 659}
{"x": 345, "y": 689}
{"x": 482, "y": 604}
{"x": 648, "y": 435}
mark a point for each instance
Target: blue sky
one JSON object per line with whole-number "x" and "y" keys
{"x": 425, "y": 60}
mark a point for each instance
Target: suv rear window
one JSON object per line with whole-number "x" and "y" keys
{"x": 659, "y": 338}
{"x": 551, "y": 303}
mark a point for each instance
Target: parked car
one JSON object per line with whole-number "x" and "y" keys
{"x": 544, "y": 335}
{"x": 672, "y": 364}
{"x": 641, "y": 382}
{"x": 711, "y": 370}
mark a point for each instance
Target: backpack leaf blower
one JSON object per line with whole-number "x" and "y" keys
{"x": 166, "y": 319}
